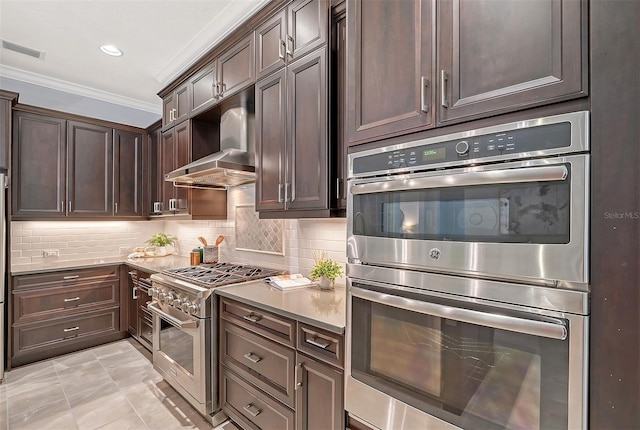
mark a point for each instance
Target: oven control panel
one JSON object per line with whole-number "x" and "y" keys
{"x": 504, "y": 144}
{"x": 172, "y": 298}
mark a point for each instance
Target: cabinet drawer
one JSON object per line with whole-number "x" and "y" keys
{"x": 251, "y": 408}
{"x": 30, "y": 305}
{"x": 31, "y": 337}
{"x": 264, "y": 363}
{"x": 64, "y": 278}
{"x": 272, "y": 326}
{"x": 321, "y": 344}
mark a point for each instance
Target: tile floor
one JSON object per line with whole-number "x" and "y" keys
{"x": 111, "y": 386}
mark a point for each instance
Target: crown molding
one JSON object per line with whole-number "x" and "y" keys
{"x": 187, "y": 57}
{"x": 80, "y": 90}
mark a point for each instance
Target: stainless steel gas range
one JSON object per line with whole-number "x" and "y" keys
{"x": 184, "y": 331}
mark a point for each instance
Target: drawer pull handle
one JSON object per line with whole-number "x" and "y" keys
{"x": 67, "y": 330}
{"x": 252, "y": 357}
{"x": 73, "y": 299}
{"x": 253, "y": 318}
{"x": 252, "y": 410}
{"x": 66, "y": 278}
{"x": 318, "y": 342}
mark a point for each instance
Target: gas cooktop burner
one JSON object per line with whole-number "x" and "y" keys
{"x": 214, "y": 275}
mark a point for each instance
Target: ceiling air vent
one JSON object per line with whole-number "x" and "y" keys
{"x": 22, "y": 49}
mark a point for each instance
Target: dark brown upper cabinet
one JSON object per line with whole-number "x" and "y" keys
{"x": 90, "y": 169}
{"x": 175, "y": 148}
{"x": 496, "y": 56}
{"x": 391, "y": 68}
{"x": 176, "y": 106}
{"x": 491, "y": 57}
{"x": 39, "y": 160}
{"x": 290, "y": 34}
{"x": 7, "y": 100}
{"x": 232, "y": 71}
{"x": 75, "y": 169}
{"x": 127, "y": 174}
{"x": 292, "y": 140}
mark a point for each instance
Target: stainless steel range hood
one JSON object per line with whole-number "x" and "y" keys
{"x": 233, "y": 165}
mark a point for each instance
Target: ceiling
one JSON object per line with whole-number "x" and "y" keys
{"x": 159, "y": 40}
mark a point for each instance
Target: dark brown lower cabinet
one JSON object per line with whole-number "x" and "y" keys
{"x": 268, "y": 382}
{"x": 60, "y": 312}
{"x": 139, "y": 318}
{"x": 319, "y": 398}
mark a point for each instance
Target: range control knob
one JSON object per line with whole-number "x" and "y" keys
{"x": 462, "y": 147}
{"x": 177, "y": 302}
{"x": 193, "y": 309}
{"x": 153, "y": 292}
{"x": 185, "y": 306}
{"x": 168, "y": 298}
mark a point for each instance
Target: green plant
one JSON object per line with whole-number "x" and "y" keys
{"x": 162, "y": 239}
{"x": 326, "y": 267}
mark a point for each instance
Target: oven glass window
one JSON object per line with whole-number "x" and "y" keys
{"x": 536, "y": 212}
{"x": 473, "y": 376}
{"x": 177, "y": 345}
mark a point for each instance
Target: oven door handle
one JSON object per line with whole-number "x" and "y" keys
{"x": 503, "y": 322}
{"x": 486, "y": 177}
{"x": 172, "y": 320}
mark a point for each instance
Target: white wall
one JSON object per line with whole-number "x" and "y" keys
{"x": 78, "y": 240}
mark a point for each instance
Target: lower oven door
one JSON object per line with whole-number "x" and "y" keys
{"x": 417, "y": 360}
{"x": 180, "y": 354}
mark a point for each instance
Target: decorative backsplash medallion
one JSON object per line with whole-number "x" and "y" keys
{"x": 259, "y": 235}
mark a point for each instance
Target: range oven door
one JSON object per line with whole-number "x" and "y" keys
{"x": 524, "y": 220}
{"x": 180, "y": 354}
{"x": 418, "y": 359}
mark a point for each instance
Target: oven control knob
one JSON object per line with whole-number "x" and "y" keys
{"x": 462, "y": 147}
{"x": 177, "y": 302}
{"x": 193, "y": 309}
{"x": 185, "y": 306}
{"x": 153, "y": 292}
{"x": 168, "y": 298}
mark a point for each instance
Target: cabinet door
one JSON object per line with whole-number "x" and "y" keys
{"x": 182, "y": 97}
{"x": 270, "y": 45}
{"x": 153, "y": 169}
{"x": 127, "y": 173}
{"x": 168, "y": 108}
{"x": 319, "y": 396}
{"x": 496, "y": 56}
{"x": 132, "y": 303}
{"x": 182, "y": 156}
{"x": 5, "y": 133}
{"x": 236, "y": 68}
{"x": 270, "y": 141}
{"x": 90, "y": 174}
{"x": 308, "y": 21}
{"x": 168, "y": 164}
{"x": 390, "y": 68}
{"x": 39, "y": 166}
{"x": 203, "y": 89}
{"x": 307, "y": 143}
{"x": 339, "y": 106}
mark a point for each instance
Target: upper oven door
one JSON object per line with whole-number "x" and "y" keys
{"x": 524, "y": 220}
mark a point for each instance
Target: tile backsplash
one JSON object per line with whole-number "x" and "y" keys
{"x": 79, "y": 240}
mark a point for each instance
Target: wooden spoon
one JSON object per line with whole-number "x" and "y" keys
{"x": 202, "y": 240}
{"x": 219, "y": 240}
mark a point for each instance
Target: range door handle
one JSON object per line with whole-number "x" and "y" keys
{"x": 186, "y": 324}
{"x": 502, "y": 322}
{"x": 483, "y": 177}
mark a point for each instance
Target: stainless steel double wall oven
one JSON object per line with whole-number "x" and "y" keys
{"x": 468, "y": 279}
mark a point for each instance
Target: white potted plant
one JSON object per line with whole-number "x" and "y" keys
{"x": 161, "y": 241}
{"x": 325, "y": 270}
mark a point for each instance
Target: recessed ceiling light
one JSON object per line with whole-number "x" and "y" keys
{"x": 111, "y": 50}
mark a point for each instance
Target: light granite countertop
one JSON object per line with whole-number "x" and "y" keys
{"x": 322, "y": 308}
{"x": 152, "y": 265}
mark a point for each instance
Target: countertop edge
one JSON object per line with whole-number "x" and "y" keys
{"x": 228, "y": 293}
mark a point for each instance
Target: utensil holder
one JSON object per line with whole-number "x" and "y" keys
{"x": 210, "y": 254}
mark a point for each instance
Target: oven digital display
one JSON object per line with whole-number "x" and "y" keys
{"x": 434, "y": 154}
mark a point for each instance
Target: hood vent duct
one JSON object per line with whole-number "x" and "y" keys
{"x": 233, "y": 165}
